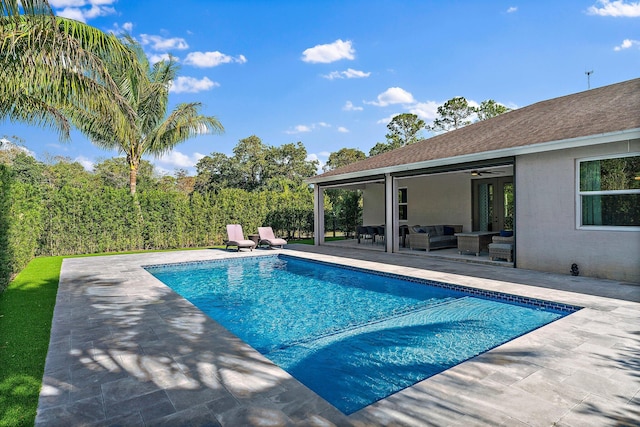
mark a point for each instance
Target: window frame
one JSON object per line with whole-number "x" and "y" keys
{"x": 579, "y": 193}
{"x": 405, "y": 204}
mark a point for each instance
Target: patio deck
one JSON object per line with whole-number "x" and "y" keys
{"x": 126, "y": 350}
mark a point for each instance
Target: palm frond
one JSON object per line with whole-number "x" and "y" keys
{"x": 33, "y": 111}
{"x": 183, "y": 123}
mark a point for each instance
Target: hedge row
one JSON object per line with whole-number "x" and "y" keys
{"x": 87, "y": 218}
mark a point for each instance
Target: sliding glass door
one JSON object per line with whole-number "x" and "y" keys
{"x": 493, "y": 204}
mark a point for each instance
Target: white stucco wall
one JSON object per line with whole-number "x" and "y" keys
{"x": 547, "y": 236}
{"x": 373, "y": 204}
{"x": 439, "y": 199}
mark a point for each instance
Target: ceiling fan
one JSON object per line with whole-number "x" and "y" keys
{"x": 481, "y": 172}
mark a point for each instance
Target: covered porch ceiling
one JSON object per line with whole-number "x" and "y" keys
{"x": 473, "y": 171}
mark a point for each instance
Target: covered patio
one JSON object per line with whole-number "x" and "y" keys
{"x": 476, "y": 196}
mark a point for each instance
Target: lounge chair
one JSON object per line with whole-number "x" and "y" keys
{"x": 236, "y": 238}
{"x": 268, "y": 238}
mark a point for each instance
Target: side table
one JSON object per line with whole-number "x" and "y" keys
{"x": 474, "y": 241}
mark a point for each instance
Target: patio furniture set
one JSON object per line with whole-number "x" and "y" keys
{"x": 430, "y": 237}
{"x": 373, "y": 233}
{"x": 265, "y": 237}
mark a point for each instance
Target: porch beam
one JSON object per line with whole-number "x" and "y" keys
{"x": 318, "y": 215}
{"x": 389, "y": 202}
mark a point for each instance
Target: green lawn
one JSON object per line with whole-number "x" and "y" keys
{"x": 26, "y": 310}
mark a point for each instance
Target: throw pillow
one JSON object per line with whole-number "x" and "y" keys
{"x": 449, "y": 231}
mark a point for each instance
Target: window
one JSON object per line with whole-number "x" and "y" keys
{"x": 609, "y": 192}
{"x": 402, "y": 204}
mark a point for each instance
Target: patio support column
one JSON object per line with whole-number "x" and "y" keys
{"x": 391, "y": 229}
{"x": 318, "y": 215}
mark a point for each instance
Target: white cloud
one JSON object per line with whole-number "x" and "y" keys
{"x": 311, "y": 157}
{"x": 192, "y": 85}
{"x": 348, "y": 106}
{"x": 627, "y": 44}
{"x": 393, "y": 95}
{"x": 67, "y": 3}
{"x": 350, "y": 73}
{"x": 211, "y": 59}
{"x": 343, "y": 129}
{"x": 298, "y": 129}
{"x": 86, "y": 163}
{"x": 425, "y": 110}
{"x": 307, "y": 128}
{"x": 6, "y": 144}
{"x": 386, "y": 120}
{"x": 157, "y": 57}
{"x": 127, "y": 26}
{"x": 71, "y": 13}
{"x": 162, "y": 43}
{"x": 176, "y": 159}
{"x": 512, "y": 9}
{"x": 327, "y": 53}
{"x": 617, "y": 8}
{"x": 82, "y": 10}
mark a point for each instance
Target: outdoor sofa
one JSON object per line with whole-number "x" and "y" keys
{"x": 430, "y": 237}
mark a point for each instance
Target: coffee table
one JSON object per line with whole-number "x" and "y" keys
{"x": 474, "y": 241}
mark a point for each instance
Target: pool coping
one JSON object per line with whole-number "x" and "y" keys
{"x": 125, "y": 349}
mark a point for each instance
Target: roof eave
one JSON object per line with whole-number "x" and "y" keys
{"x": 582, "y": 141}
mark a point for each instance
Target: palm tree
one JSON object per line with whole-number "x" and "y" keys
{"x": 51, "y": 65}
{"x": 146, "y": 94}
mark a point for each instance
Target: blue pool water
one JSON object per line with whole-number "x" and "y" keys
{"x": 351, "y": 336}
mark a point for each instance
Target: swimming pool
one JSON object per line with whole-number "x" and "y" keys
{"x": 351, "y": 335}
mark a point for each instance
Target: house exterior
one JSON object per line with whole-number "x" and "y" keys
{"x": 563, "y": 174}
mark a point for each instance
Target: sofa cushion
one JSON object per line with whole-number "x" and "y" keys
{"x": 430, "y": 229}
{"x": 442, "y": 238}
{"x": 439, "y": 230}
{"x": 448, "y": 231}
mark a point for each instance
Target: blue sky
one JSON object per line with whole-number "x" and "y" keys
{"x": 332, "y": 74}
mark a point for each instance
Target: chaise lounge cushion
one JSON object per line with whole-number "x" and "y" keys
{"x": 235, "y": 237}
{"x": 267, "y": 237}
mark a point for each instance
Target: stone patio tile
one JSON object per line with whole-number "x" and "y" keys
{"x": 199, "y": 416}
{"x": 185, "y": 398}
{"x": 411, "y": 406}
{"x": 222, "y": 404}
{"x": 125, "y": 389}
{"x": 485, "y": 419}
{"x": 86, "y": 383}
{"x": 596, "y": 412}
{"x": 82, "y": 412}
{"x": 602, "y": 386}
{"x": 547, "y": 384}
{"x": 130, "y": 420}
{"x": 150, "y": 406}
{"x": 56, "y": 388}
{"x": 254, "y": 415}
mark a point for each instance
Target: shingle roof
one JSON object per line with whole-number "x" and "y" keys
{"x": 598, "y": 111}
